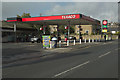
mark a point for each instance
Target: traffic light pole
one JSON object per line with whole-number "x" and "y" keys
{"x": 68, "y": 29}
{"x": 57, "y": 32}
{"x": 44, "y": 26}
{"x": 43, "y": 29}
{"x": 80, "y": 32}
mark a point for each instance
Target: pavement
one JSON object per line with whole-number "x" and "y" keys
{"x": 93, "y": 61}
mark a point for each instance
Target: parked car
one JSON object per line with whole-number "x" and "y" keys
{"x": 72, "y": 38}
{"x": 36, "y": 39}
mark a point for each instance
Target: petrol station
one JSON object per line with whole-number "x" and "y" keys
{"x": 65, "y": 19}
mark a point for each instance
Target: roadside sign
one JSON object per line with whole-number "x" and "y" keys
{"x": 46, "y": 41}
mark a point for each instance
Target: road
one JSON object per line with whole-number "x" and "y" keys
{"x": 100, "y": 61}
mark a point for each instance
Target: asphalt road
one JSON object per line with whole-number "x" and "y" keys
{"x": 100, "y": 61}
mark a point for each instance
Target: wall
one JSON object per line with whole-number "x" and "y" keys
{"x": 84, "y": 28}
{"x": 92, "y": 36}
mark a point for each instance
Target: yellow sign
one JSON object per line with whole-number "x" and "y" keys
{"x": 104, "y": 30}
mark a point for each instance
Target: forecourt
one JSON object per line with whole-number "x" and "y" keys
{"x": 65, "y": 19}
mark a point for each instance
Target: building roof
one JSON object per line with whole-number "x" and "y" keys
{"x": 58, "y": 19}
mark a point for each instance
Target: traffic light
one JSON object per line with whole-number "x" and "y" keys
{"x": 41, "y": 28}
{"x": 66, "y": 27}
{"x": 104, "y": 25}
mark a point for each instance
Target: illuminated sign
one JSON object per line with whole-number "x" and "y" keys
{"x": 46, "y": 41}
{"x": 69, "y": 17}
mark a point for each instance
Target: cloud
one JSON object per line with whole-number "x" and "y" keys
{"x": 98, "y": 10}
{"x": 0, "y": 10}
{"x": 60, "y": 0}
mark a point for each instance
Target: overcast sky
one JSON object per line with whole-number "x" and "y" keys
{"x": 97, "y": 10}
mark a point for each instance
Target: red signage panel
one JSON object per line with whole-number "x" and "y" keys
{"x": 60, "y": 17}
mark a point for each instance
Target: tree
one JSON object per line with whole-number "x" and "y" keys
{"x": 62, "y": 29}
{"x": 72, "y": 29}
{"x": 24, "y": 15}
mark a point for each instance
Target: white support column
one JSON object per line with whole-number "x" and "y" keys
{"x": 60, "y": 43}
{"x": 14, "y": 27}
{"x": 15, "y": 31}
{"x": 80, "y": 41}
{"x": 67, "y": 42}
{"x": 85, "y": 40}
{"x": 74, "y": 42}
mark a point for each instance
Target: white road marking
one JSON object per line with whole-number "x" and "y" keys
{"x": 110, "y": 42}
{"x": 104, "y": 54}
{"x": 71, "y": 69}
{"x": 116, "y": 49}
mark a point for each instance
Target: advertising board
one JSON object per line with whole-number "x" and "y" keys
{"x": 46, "y": 41}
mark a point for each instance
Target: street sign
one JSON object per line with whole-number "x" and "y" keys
{"x": 46, "y": 41}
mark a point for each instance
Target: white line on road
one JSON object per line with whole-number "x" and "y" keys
{"x": 70, "y": 69}
{"x": 116, "y": 49}
{"x": 104, "y": 54}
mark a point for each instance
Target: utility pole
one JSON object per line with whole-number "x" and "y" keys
{"x": 57, "y": 32}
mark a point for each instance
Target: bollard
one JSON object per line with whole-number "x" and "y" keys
{"x": 59, "y": 43}
{"x": 50, "y": 44}
{"x": 67, "y": 42}
{"x": 80, "y": 41}
{"x": 92, "y": 40}
{"x": 74, "y": 42}
{"x": 99, "y": 39}
{"x": 85, "y": 40}
{"x": 109, "y": 38}
{"x": 96, "y": 39}
{"x": 89, "y": 40}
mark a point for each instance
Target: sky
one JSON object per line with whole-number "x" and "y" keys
{"x": 97, "y": 10}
